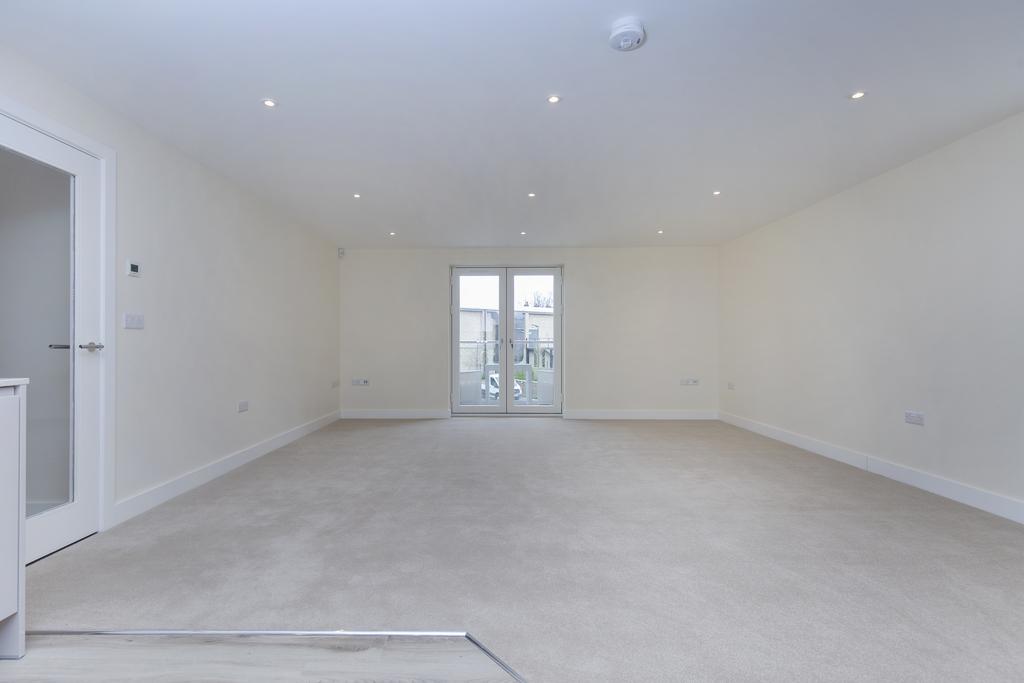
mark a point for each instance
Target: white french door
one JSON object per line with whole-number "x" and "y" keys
{"x": 506, "y": 340}
{"x": 53, "y": 334}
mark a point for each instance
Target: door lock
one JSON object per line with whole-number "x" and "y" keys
{"x": 91, "y": 347}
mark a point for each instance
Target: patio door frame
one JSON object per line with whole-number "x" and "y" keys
{"x": 506, "y": 333}
{"x": 94, "y": 168}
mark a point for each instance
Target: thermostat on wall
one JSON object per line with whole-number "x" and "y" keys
{"x": 134, "y": 269}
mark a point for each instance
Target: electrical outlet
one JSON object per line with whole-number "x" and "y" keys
{"x": 913, "y": 417}
{"x": 243, "y": 406}
{"x": 134, "y": 321}
{"x": 731, "y": 386}
{"x": 360, "y": 382}
{"x": 689, "y": 382}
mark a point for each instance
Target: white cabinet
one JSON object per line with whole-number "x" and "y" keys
{"x": 12, "y": 517}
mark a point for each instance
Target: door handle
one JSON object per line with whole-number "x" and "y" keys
{"x": 60, "y": 346}
{"x": 91, "y": 347}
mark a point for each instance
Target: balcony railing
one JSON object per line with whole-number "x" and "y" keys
{"x": 533, "y": 368}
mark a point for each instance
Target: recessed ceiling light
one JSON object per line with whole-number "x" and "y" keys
{"x": 356, "y": 196}
{"x": 269, "y": 103}
{"x": 661, "y": 232}
{"x": 857, "y": 95}
{"x": 523, "y": 232}
{"x": 532, "y": 194}
{"x": 391, "y": 234}
{"x": 554, "y": 99}
{"x": 717, "y": 192}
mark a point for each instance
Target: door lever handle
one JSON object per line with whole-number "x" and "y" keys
{"x": 91, "y": 347}
{"x": 60, "y": 346}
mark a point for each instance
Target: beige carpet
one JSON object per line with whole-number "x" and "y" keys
{"x": 577, "y": 551}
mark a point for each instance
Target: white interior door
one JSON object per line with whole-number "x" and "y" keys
{"x": 52, "y": 333}
{"x": 506, "y": 340}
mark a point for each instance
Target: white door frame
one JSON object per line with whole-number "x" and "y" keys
{"x": 507, "y": 405}
{"x": 28, "y": 127}
{"x": 523, "y": 408}
{"x": 457, "y": 408}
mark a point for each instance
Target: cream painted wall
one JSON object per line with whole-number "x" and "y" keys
{"x": 240, "y": 302}
{"x": 636, "y": 321}
{"x": 903, "y": 293}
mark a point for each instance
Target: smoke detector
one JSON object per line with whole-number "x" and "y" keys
{"x": 627, "y": 34}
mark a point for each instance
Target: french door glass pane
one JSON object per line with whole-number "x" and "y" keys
{"x": 533, "y": 339}
{"x": 36, "y": 227}
{"x": 480, "y": 344}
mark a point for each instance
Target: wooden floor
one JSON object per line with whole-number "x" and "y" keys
{"x": 252, "y": 658}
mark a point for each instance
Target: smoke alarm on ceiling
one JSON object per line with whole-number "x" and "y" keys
{"x": 627, "y": 34}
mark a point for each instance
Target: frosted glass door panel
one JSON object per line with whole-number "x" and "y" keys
{"x": 36, "y": 262}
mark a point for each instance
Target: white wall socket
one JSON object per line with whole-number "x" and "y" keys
{"x": 243, "y": 406}
{"x": 689, "y": 382}
{"x": 360, "y": 382}
{"x": 912, "y": 417}
{"x": 134, "y": 321}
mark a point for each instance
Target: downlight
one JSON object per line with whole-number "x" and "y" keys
{"x": 627, "y": 34}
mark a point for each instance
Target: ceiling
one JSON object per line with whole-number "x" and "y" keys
{"x": 436, "y": 112}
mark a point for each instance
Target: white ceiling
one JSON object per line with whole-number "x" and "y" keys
{"x": 436, "y": 113}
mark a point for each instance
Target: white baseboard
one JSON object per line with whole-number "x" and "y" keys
{"x": 584, "y": 414}
{"x": 413, "y": 414}
{"x": 995, "y": 503}
{"x": 134, "y": 505}
{"x": 846, "y": 455}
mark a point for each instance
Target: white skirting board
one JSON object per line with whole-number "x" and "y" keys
{"x": 401, "y": 414}
{"x": 995, "y": 503}
{"x": 427, "y": 414}
{"x": 161, "y": 493}
{"x": 585, "y": 414}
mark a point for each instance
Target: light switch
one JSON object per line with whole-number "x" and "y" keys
{"x": 134, "y": 321}
{"x": 913, "y": 417}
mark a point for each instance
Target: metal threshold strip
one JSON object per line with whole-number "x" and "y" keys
{"x": 341, "y": 633}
